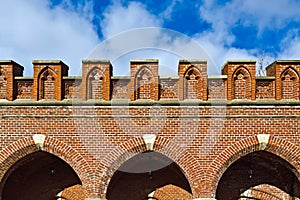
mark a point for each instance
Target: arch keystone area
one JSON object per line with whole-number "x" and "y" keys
{"x": 263, "y": 140}
{"x": 149, "y": 141}
{"x": 39, "y": 140}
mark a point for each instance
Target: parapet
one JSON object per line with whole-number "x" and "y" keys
{"x": 238, "y": 81}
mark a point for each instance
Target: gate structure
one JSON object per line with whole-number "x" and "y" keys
{"x": 192, "y": 136}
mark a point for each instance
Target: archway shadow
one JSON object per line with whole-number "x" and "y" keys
{"x": 259, "y": 167}
{"x": 39, "y": 175}
{"x": 137, "y": 177}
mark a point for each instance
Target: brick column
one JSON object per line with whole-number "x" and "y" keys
{"x": 147, "y": 69}
{"x": 98, "y": 66}
{"x": 55, "y": 68}
{"x": 231, "y": 67}
{"x": 9, "y": 70}
{"x": 200, "y": 68}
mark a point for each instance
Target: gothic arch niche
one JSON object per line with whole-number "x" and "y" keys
{"x": 289, "y": 84}
{"x": 94, "y": 84}
{"x": 144, "y": 173}
{"x": 144, "y": 84}
{"x": 3, "y": 83}
{"x": 39, "y": 175}
{"x": 192, "y": 84}
{"x": 254, "y": 169}
{"x": 47, "y": 84}
{"x": 241, "y": 84}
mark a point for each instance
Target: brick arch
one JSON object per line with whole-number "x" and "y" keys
{"x": 289, "y": 84}
{"x": 130, "y": 148}
{"x": 25, "y": 146}
{"x": 144, "y": 83}
{"x": 110, "y": 164}
{"x": 280, "y": 147}
{"x": 189, "y": 165}
{"x": 70, "y": 156}
{"x": 47, "y": 79}
{"x": 94, "y": 83}
{"x": 193, "y": 81}
{"x": 241, "y": 84}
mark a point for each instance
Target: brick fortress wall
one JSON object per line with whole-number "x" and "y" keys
{"x": 97, "y": 121}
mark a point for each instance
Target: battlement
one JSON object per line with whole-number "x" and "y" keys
{"x": 50, "y": 81}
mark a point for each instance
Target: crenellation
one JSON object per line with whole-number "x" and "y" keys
{"x": 238, "y": 81}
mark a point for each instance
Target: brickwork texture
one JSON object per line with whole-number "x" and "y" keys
{"x": 97, "y": 121}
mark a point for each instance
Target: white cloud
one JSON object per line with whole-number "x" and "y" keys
{"x": 167, "y": 13}
{"x": 119, "y": 18}
{"x": 290, "y": 45}
{"x": 166, "y": 45}
{"x": 260, "y": 15}
{"x": 256, "y": 13}
{"x": 34, "y": 30}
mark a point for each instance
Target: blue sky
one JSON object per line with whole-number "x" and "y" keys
{"x": 71, "y": 29}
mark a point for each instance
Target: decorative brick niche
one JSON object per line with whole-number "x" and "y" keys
{"x": 96, "y": 79}
{"x": 241, "y": 82}
{"x": 144, "y": 80}
{"x": 286, "y": 74}
{"x": 192, "y": 79}
{"x": 47, "y": 79}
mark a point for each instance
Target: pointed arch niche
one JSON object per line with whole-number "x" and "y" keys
{"x": 289, "y": 84}
{"x": 144, "y": 83}
{"x": 95, "y": 81}
{"x": 47, "y": 84}
{"x": 192, "y": 84}
{"x": 192, "y": 79}
{"x": 241, "y": 84}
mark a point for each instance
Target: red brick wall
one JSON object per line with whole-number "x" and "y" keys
{"x": 95, "y": 138}
{"x": 266, "y": 191}
{"x": 171, "y": 192}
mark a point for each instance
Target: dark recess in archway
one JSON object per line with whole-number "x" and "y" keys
{"x": 142, "y": 174}
{"x": 39, "y": 175}
{"x": 260, "y": 167}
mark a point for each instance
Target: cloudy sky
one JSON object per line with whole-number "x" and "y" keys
{"x": 72, "y": 30}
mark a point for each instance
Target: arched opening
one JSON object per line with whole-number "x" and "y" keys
{"x": 143, "y": 174}
{"x": 39, "y": 175}
{"x": 254, "y": 169}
